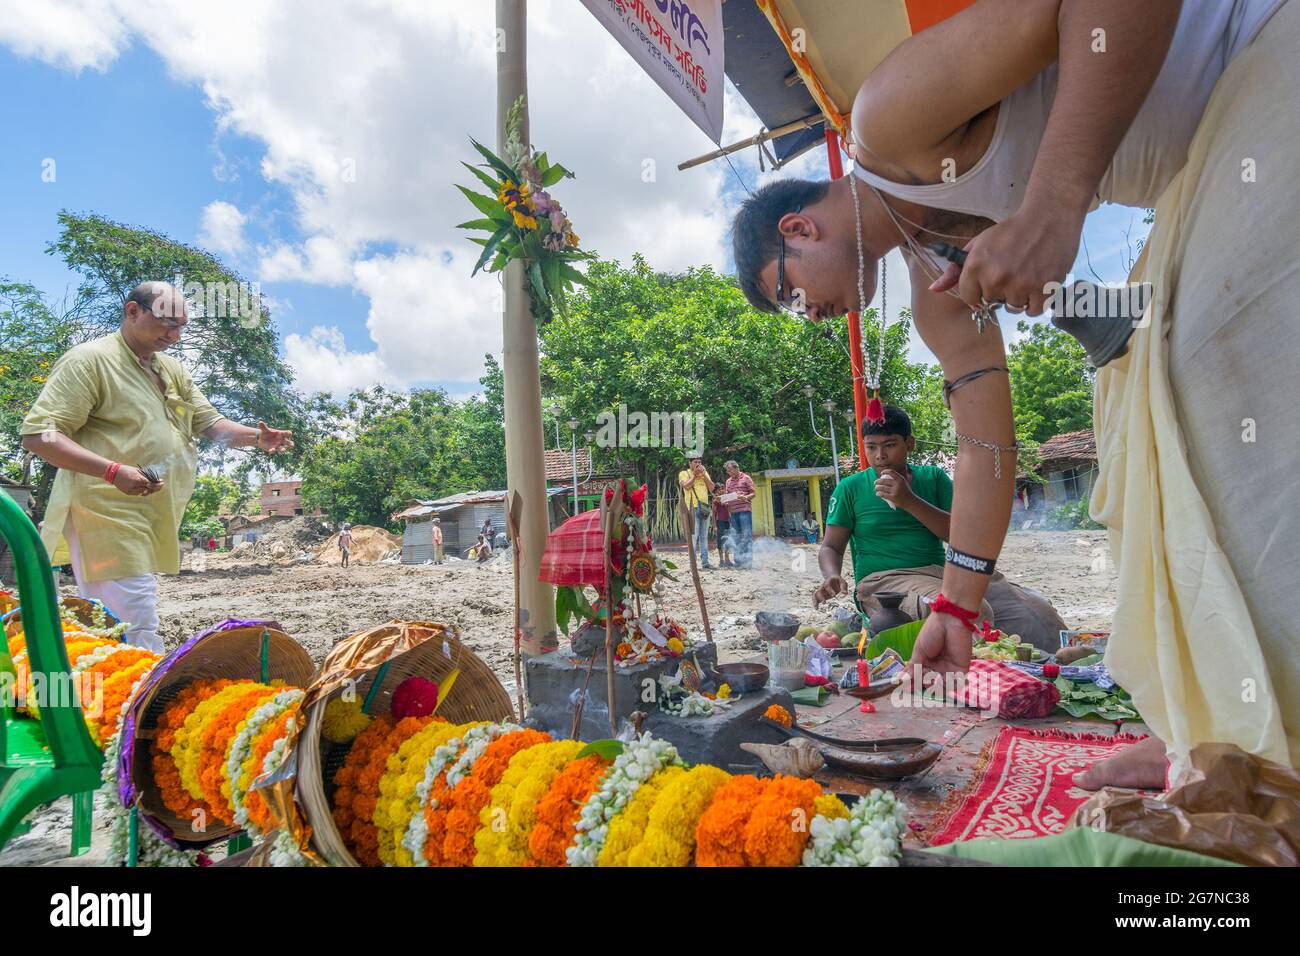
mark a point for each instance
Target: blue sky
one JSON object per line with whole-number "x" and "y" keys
{"x": 228, "y": 127}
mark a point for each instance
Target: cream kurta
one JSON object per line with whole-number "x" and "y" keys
{"x": 99, "y": 396}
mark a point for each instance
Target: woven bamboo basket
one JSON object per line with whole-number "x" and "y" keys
{"x": 388, "y": 654}
{"x": 231, "y": 650}
{"x": 80, "y": 608}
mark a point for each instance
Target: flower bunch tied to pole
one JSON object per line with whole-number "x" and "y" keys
{"x": 523, "y": 222}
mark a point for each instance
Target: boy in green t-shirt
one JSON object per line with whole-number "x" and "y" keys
{"x": 896, "y": 516}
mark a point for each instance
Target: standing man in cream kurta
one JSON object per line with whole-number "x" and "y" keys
{"x": 113, "y": 409}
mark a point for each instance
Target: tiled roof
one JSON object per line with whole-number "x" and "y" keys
{"x": 1071, "y": 445}
{"x": 559, "y": 464}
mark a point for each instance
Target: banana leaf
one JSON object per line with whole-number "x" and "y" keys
{"x": 901, "y": 639}
{"x": 487, "y": 205}
{"x": 1080, "y": 846}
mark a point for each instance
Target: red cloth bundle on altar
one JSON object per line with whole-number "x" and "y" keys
{"x": 1002, "y": 691}
{"x": 574, "y": 552}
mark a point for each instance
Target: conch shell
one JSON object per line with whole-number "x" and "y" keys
{"x": 799, "y": 757}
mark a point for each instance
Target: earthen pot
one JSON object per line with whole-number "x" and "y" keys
{"x": 890, "y": 614}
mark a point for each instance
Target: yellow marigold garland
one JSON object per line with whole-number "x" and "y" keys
{"x": 669, "y": 838}
{"x": 627, "y": 829}
{"x": 398, "y": 799}
{"x": 505, "y": 822}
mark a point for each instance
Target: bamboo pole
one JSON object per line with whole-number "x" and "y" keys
{"x": 514, "y": 509}
{"x": 525, "y": 461}
{"x": 688, "y": 523}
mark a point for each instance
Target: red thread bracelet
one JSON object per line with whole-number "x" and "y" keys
{"x": 111, "y": 471}
{"x": 941, "y": 605}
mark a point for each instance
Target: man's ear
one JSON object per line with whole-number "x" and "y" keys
{"x": 911, "y": 444}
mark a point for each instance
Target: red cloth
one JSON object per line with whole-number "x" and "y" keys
{"x": 1004, "y": 691}
{"x": 1024, "y": 787}
{"x": 575, "y": 552}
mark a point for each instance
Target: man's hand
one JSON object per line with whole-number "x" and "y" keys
{"x": 942, "y": 647}
{"x": 132, "y": 481}
{"x": 832, "y": 586}
{"x": 895, "y": 489}
{"x": 273, "y": 440}
{"x": 1014, "y": 261}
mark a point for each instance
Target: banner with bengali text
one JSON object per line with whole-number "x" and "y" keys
{"x": 679, "y": 44}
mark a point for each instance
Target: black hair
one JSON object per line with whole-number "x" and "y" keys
{"x": 896, "y": 422}
{"x": 754, "y": 236}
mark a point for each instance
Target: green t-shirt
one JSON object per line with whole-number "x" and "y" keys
{"x": 885, "y": 539}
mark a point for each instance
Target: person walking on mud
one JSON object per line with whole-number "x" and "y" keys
{"x": 345, "y": 542}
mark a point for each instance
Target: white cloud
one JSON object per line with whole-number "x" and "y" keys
{"x": 73, "y": 34}
{"x": 365, "y": 110}
{"x": 322, "y": 363}
{"x": 321, "y": 259}
{"x": 222, "y": 228}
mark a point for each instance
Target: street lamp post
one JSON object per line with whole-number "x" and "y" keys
{"x": 853, "y": 427}
{"x": 829, "y": 405}
{"x": 555, "y": 414}
{"x": 573, "y": 445}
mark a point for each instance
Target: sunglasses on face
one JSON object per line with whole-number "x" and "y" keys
{"x": 780, "y": 270}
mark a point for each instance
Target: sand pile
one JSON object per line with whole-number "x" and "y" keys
{"x": 369, "y": 544}
{"x": 284, "y": 539}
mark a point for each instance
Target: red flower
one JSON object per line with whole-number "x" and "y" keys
{"x": 414, "y": 697}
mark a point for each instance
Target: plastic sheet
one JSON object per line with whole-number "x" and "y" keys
{"x": 1228, "y": 804}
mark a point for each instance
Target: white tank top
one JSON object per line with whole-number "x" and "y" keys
{"x": 1209, "y": 34}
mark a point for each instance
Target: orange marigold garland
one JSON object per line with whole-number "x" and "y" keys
{"x": 217, "y": 736}
{"x": 453, "y": 819}
{"x": 362, "y": 837}
{"x": 777, "y": 829}
{"x": 720, "y": 835}
{"x": 259, "y": 814}
{"x": 556, "y": 822}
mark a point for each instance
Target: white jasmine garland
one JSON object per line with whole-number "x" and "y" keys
{"x": 285, "y": 851}
{"x": 102, "y": 653}
{"x": 641, "y": 759}
{"x": 872, "y": 834}
{"x": 476, "y": 741}
{"x": 243, "y": 746}
{"x": 151, "y": 850}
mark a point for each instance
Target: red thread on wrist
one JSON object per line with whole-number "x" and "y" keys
{"x": 111, "y": 471}
{"x": 941, "y": 605}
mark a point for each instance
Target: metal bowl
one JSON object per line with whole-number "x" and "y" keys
{"x": 742, "y": 678}
{"x": 776, "y": 625}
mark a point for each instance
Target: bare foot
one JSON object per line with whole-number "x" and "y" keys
{"x": 1141, "y": 766}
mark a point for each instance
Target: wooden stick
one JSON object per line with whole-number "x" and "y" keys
{"x": 688, "y": 523}
{"x": 513, "y": 512}
{"x": 611, "y": 519}
{"x": 582, "y": 699}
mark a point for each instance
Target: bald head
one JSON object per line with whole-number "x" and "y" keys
{"x": 153, "y": 317}
{"x": 159, "y": 299}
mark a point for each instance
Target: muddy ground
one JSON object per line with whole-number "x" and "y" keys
{"x": 320, "y": 603}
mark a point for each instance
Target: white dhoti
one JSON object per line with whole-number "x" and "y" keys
{"x": 1198, "y": 429}
{"x": 133, "y": 599}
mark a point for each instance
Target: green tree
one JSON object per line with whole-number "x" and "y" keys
{"x": 212, "y": 495}
{"x": 689, "y": 342}
{"x": 229, "y": 345}
{"x": 1051, "y": 383}
{"x": 384, "y": 448}
{"x": 483, "y": 420}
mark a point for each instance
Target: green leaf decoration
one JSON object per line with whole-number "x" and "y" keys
{"x": 605, "y": 749}
{"x": 496, "y": 162}
{"x": 487, "y": 205}
{"x": 489, "y": 224}
{"x": 490, "y": 248}
{"x": 490, "y": 182}
{"x": 553, "y": 175}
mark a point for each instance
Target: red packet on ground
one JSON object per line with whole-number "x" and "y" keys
{"x": 1004, "y": 691}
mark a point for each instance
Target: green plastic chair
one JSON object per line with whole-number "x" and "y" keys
{"x": 42, "y": 760}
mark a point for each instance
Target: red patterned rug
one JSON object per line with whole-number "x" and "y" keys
{"x": 1025, "y": 786}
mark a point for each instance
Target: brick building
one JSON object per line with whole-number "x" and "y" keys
{"x": 283, "y": 498}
